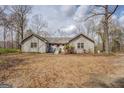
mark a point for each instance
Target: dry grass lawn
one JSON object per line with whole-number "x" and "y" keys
{"x": 48, "y": 70}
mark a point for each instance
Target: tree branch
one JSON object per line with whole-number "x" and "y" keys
{"x": 93, "y": 16}
{"x": 111, "y": 13}
{"x": 100, "y": 6}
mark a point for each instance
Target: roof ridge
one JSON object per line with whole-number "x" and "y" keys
{"x": 58, "y": 39}
{"x": 84, "y": 36}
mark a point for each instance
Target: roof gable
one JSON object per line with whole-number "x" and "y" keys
{"x": 83, "y": 36}
{"x": 37, "y": 36}
{"x": 57, "y": 40}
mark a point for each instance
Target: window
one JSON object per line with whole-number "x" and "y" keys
{"x": 33, "y": 45}
{"x": 80, "y": 45}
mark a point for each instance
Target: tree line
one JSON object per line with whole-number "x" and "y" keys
{"x": 110, "y": 33}
{"x": 14, "y": 20}
{"x": 14, "y": 23}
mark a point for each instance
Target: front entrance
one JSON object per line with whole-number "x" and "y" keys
{"x": 55, "y": 48}
{"x": 51, "y": 49}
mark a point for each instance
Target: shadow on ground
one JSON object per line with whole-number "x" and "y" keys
{"x": 5, "y": 86}
{"x": 97, "y": 83}
{"x": 7, "y": 63}
{"x": 119, "y": 83}
{"x": 5, "y": 69}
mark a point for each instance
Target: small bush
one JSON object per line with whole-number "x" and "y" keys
{"x": 69, "y": 49}
{"x": 8, "y": 50}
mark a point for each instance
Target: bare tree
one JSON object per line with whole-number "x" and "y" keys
{"x": 39, "y": 25}
{"x": 101, "y": 34}
{"x": 19, "y": 16}
{"x": 3, "y": 22}
{"x": 28, "y": 33}
{"x": 107, "y": 13}
{"x": 7, "y": 28}
{"x": 11, "y": 29}
{"x": 91, "y": 28}
{"x": 115, "y": 35}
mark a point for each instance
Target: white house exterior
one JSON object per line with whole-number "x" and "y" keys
{"x": 82, "y": 44}
{"x": 35, "y": 43}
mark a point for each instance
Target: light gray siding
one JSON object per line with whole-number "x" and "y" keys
{"x": 88, "y": 45}
{"x": 41, "y": 46}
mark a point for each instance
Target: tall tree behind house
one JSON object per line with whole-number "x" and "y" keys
{"x": 20, "y": 13}
{"x": 106, "y": 13}
{"x": 3, "y": 22}
{"x": 39, "y": 25}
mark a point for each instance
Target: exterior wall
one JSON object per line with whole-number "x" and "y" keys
{"x": 88, "y": 45}
{"x": 41, "y": 46}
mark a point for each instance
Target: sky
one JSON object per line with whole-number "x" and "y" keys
{"x": 66, "y": 17}
{"x": 69, "y": 18}
{"x": 58, "y": 17}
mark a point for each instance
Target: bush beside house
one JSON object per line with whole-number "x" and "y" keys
{"x": 69, "y": 49}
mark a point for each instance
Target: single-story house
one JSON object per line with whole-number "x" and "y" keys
{"x": 36, "y": 43}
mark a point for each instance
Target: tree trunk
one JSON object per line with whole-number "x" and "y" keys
{"x": 4, "y": 37}
{"x": 106, "y": 30}
{"x": 103, "y": 46}
{"x": 12, "y": 39}
{"x": 17, "y": 41}
{"x": 22, "y": 33}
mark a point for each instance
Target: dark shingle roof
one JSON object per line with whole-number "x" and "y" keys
{"x": 58, "y": 40}
{"x": 83, "y": 36}
{"x": 41, "y": 38}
